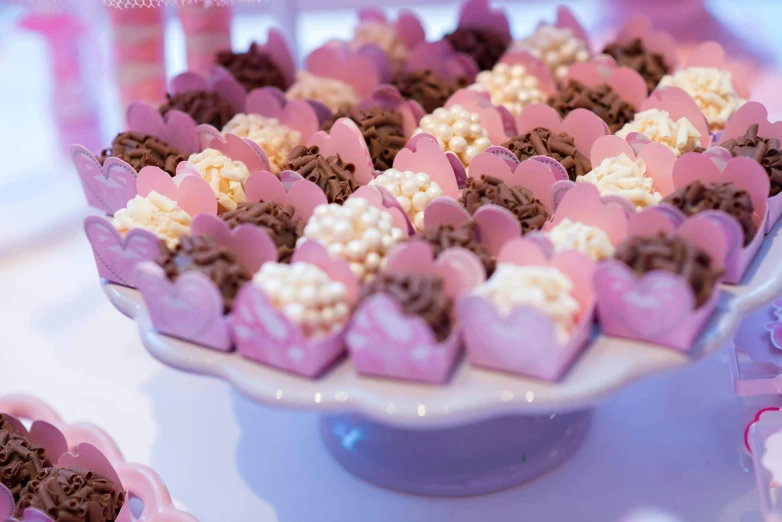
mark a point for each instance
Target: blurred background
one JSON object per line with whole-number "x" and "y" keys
{"x": 672, "y": 441}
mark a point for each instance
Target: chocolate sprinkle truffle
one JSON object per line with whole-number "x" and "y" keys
{"x": 763, "y": 150}
{"x": 253, "y": 69}
{"x": 543, "y": 142}
{"x": 382, "y": 129}
{"x": 206, "y": 256}
{"x": 278, "y": 220}
{"x": 72, "y": 495}
{"x": 20, "y": 459}
{"x": 486, "y": 47}
{"x": 426, "y": 88}
{"x": 697, "y": 197}
{"x": 601, "y": 100}
{"x": 204, "y": 107}
{"x": 528, "y": 209}
{"x": 417, "y": 295}
{"x": 446, "y": 236}
{"x": 651, "y": 66}
{"x": 333, "y": 175}
{"x": 142, "y": 150}
{"x": 674, "y": 254}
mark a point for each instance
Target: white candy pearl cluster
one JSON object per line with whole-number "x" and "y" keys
{"x": 511, "y": 86}
{"x": 357, "y": 232}
{"x": 306, "y": 295}
{"x": 457, "y": 130}
{"x": 557, "y": 47}
{"x": 413, "y": 192}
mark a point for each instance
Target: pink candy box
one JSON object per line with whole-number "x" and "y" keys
{"x": 677, "y": 104}
{"x": 625, "y": 82}
{"x": 748, "y": 114}
{"x": 117, "y": 256}
{"x": 384, "y": 341}
{"x": 658, "y": 307}
{"x": 264, "y": 334}
{"x": 497, "y": 120}
{"x": 363, "y": 70}
{"x": 86, "y": 447}
{"x": 525, "y": 341}
{"x": 639, "y": 26}
{"x": 423, "y": 154}
{"x": 716, "y": 165}
{"x": 440, "y": 58}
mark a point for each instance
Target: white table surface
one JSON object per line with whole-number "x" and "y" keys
{"x": 671, "y": 441}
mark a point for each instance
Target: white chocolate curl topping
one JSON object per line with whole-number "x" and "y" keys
{"x": 557, "y": 47}
{"x": 276, "y": 139}
{"x": 574, "y": 235}
{"x": 711, "y": 88}
{"x": 678, "y": 135}
{"x": 306, "y": 295}
{"x": 334, "y": 94}
{"x": 413, "y": 192}
{"x": 541, "y": 287}
{"x": 226, "y": 176}
{"x": 456, "y": 130}
{"x": 511, "y": 86}
{"x": 357, "y": 232}
{"x": 155, "y": 213}
{"x": 382, "y": 35}
{"x": 623, "y": 177}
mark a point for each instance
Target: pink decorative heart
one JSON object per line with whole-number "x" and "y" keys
{"x": 175, "y": 128}
{"x": 108, "y": 187}
{"x": 346, "y": 139}
{"x": 302, "y": 194}
{"x": 116, "y": 256}
{"x": 252, "y": 245}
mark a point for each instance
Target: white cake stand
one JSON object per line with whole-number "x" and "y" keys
{"x": 484, "y": 430}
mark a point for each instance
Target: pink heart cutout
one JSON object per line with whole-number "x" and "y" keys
{"x": 116, "y": 256}
{"x": 108, "y": 187}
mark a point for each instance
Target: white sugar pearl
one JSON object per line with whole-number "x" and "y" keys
{"x": 434, "y": 191}
{"x": 418, "y": 221}
{"x": 443, "y": 132}
{"x": 369, "y": 219}
{"x": 341, "y": 311}
{"x": 461, "y": 128}
{"x": 336, "y": 249}
{"x": 476, "y": 130}
{"x": 355, "y": 250}
{"x": 358, "y": 270}
{"x": 442, "y": 115}
{"x": 420, "y": 201}
{"x": 321, "y": 211}
{"x": 336, "y": 292}
{"x": 311, "y": 318}
{"x": 372, "y": 261}
{"x": 327, "y": 223}
{"x": 294, "y": 312}
{"x": 423, "y": 179}
{"x": 357, "y": 204}
{"x": 409, "y": 187}
{"x": 307, "y": 294}
{"x": 287, "y": 294}
{"x": 482, "y": 143}
{"x": 327, "y": 316}
{"x": 397, "y": 234}
{"x": 386, "y": 243}
{"x": 428, "y": 126}
{"x": 371, "y": 238}
{"x": 404, "y": 202}
{"x": 342, "y": 231}
{"x": 470, "y": 153}
{"x": 457, "y": 144}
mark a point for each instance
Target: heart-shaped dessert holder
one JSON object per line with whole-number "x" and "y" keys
{"x": 714, "y": 166}
{"x": 639, "y": 26}
{"x": 478, "y": 14}
{"x": 345, "y": 139}
{"x": 534, "y": 67}
{"x": 440, "y": 58}
{"x": 625, "y": 82}
{"x": 567, "y": 20}
{"x": 423, "y": 154}
{"x": 115, "y": 256}
{"x": 659, "y": 307}
{"x": 498, "y": 121}
{"x": 387, "y": 97}
{"x": 712, "y": 54}
{"x": 525, "y": 342}
{"x": 748, "y": 114}
{"x": 384, "y": 341}
{"x": 85, "y": 447}
{"x": 679, "y": 104}
{"x": 264, "y": 334}
{"x": 407, "y": 25}
{"x": 363, "y": 69}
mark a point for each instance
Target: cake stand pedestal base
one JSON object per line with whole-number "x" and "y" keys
{"x": 454, "y": 462}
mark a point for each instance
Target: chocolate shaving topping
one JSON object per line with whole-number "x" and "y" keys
{"x": 543, "y": 142}
{"x": 697, "y": 197}
{"x": 206, "y": 256}
{"x": 333, "y": 175}
{"x": 486, "y": 47}
{"x": 528, "y": 209}
{"x": 417, "y": 295}
{"x": 429, "y": 90}
{"x": 203, "y": 106}
{"x": 442, "y": 237}
{"x": 382, "y": 130}
{"x": 143, "y": 150}
{"x": 253, "y": 69}
{"x": 72, "y": 495}
{"x": 278, "y": 220}
{"x": 675, "y": 254}
{"x": 763, "y": 150}
{"x": 602, "y": 101}
{"x": 651, "y": 66}
{"x": 20, "y": 459}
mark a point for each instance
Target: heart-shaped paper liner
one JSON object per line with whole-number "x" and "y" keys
{"x": 387, "y": 97}
{"x": 639, "y": 26}
{"x": 478, "y": 14}
{"x": 659, "y": 307}
{"x": 232, "y": 146}
{"x": 116, "y": 257}
{"x": 498, "y": 121}
{"x": 384, "y": 341}
{"x": 712, "y": 54}
{"x": 440, "y": 58}
{"x": 567, "y": 20}
{"x": 363, "y": 69}
{"x": 299, "y": 115}
{"x": 546, "y": 81}
{"x": 746, "y": 174}
{"x": 679, "y": 104}
{"x": 91, "y": 449}
{"x": 748, "y": 114}
{"x": 219, "y": 81}
{"x": 264, "y": 334}
{"x": 423, "y": 154}
{"x": 379, "y": 197}
{"x": 289, "y": 189}
{"x": 175, "y": 128}
{"x": 583, "y": 126}
{"x": 625, "y": 82}
{"x": 191, "y": 193}
{"x": 407, "y": 25}
{"x": 457, "y": 167}
{"x": 251, "y": 245}
{"x": 107, "y": 187}
{"x": 524, "y": 342}
{"x": 346, "y": 139}
{"x": 760, "y": 334}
